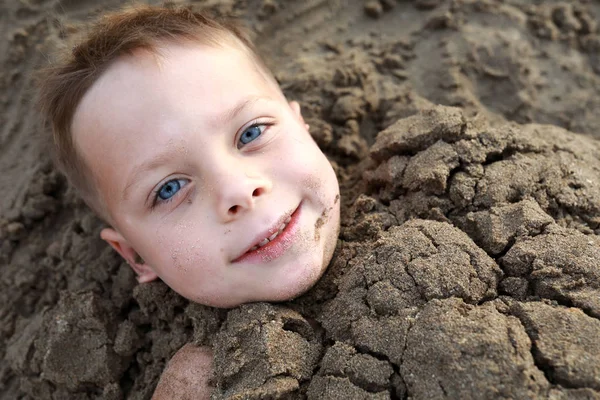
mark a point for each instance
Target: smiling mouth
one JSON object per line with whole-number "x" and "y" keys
{"x": 277, "y": 242}
{"x": 266, "y": 241}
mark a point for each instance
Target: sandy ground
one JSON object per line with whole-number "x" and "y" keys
{"x": 468, "y": 264}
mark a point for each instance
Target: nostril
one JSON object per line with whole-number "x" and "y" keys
{"x": 257, "y": 192}
{"x": 233, "y": 210}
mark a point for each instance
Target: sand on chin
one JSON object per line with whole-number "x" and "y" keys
{"x": 468, "y": 264}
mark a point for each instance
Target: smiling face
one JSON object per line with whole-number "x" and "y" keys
{"x": 209, "y": 174}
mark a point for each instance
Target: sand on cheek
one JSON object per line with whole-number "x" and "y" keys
{"x": 185, "y": 262}
{"x": 326, "y": 217}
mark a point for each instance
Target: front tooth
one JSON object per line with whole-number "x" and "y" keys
{"x": 288, "y": 219}
{"x": 263, "y": 242}
{"x": 254, "y": 248}
{"x": 273, "y": 236}
{"x": 282, "y": 227}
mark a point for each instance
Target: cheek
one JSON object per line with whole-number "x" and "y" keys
{"x": 184, "y": 248}
{"x": 320, "y": 178}
{"x": 303, "y": 161}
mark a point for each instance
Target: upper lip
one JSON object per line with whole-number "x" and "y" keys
{"x": 266, "y": 233}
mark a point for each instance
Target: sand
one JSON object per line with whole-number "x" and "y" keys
{"x": 468, "y": 266}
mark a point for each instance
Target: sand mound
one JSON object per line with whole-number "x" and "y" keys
{"x": 489, "y": 265}
{"x": 468, "y": 261}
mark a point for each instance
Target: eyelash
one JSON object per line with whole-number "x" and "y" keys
{"x": 155, "y": 193}
{"x": 254, "y": 124}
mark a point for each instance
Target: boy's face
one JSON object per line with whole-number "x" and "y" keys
{"x": 199, "y": 158}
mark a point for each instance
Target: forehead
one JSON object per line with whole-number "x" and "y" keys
{"x": 202, "y": 70}
{"x": 176, "y": 82}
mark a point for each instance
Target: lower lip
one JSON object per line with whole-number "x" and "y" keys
{"x": 275, "y": 248}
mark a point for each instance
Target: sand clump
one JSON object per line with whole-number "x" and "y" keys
{"x": 468, "y": 260}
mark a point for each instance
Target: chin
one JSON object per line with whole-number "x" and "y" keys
{"x": 290, "y": 293}
{"x": 298, "y": 284}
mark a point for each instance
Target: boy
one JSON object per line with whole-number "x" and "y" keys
{"x": 176, "y": 134}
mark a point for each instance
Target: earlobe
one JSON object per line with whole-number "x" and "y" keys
{"x": 295, "y": 106}
{"x": 144, "y": 272}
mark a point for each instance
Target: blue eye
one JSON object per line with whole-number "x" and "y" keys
{"x": 251, "y": 134}
{"x": 170, "y": 188}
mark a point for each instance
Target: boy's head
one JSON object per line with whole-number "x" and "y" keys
{"x": 174, "y": 131}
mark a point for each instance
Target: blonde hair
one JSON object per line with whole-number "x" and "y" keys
{"x": 63, "y": 84}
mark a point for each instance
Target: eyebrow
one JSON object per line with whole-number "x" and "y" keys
{"x": 231, "y": 114}
{"x": 164, "y": 157}
{"x": 143, "y": 168}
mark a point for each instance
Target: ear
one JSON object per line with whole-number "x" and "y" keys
{"x": 295, "y": 106}
{"x": 144, "y": 272}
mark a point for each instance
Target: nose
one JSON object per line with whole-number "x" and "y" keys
{"x": 239, "y": 192}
